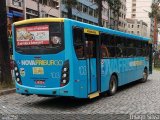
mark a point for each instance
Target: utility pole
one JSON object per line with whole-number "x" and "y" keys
{"x": 4, "y": 46}
{"x": 100, "y": 12}
{"x": 38, "y": 7}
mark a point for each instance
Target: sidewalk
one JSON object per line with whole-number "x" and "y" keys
{"x": 7, "y": 91}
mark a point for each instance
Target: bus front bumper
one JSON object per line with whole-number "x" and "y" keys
{"x": 59, "y": 91}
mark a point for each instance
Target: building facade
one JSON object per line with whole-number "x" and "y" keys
{"x": 25, "y": 9}
{"x": 41, "y": 8}
{"x": 122, "y": 17}
{"x": 118, "y": 22}
{"x": 84, "y": 11}
{"x": 105, "y": 14}
{"x": 137, "y": 27}
{"x": 15, "y": 12}
{"x": 138, "y": 9}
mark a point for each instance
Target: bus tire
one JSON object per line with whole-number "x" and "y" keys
{"x": 145, "y": 76}
{"x": 113, "y": 84}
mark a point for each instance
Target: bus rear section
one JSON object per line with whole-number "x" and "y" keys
{"x": 39, "y": 54}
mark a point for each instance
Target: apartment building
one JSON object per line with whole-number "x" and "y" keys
{"x": 42, "y": 8}
{"x": 139, "y": 9}
{"x": 14, "y": 13}
{"x": 84, "y": 11}
{"x": 122, "y": 17}
{"x": 26, "y": 9}
{"x": 105, "y": 14}
{"x": 137, "y": 27}
{"x": 118, "y": 23}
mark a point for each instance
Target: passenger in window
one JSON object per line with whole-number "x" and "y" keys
{"x": 89, "y": 46}
{"x": 105, "y": 52}
{"x": 119, "y": 50}
{"x": 80, "y": 51}
{"x": 89, "y": 49}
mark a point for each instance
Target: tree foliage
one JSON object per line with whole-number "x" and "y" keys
{"x": 69, "y": 4}
{"x": 155, "y": 12}
{"x": 114, "y": 8}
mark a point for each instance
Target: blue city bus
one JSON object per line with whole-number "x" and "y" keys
{"x": 64, "y": 57}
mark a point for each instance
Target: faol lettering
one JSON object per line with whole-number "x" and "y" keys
{"x": 42, "y": 62}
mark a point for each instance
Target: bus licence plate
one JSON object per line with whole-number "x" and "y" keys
{"x": 38, "y": 70}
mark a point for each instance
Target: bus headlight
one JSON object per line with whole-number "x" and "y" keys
{"x": 18, "y": 79}
{"x": 64, "y": 81}
{"x": 65, "y": 69}
{"x": 64, "y": 75}
{"x": 16, "y": 68}
{"x": 17, "y": 73}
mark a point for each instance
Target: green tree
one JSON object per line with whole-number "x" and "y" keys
{"x": 155, "y": 14}
{"x": 69, "y": 4}
{"x": 155, "y": 11}
{"x": 114, "y": 8}
{"x": 4, "y": 46}
{"x": 116, "y": 12}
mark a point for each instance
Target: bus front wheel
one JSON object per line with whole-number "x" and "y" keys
{"x": 113, "y": 84}
{"x": 145, "y": 76}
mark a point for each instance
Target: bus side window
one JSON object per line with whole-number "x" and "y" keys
{"x": 78, "y": 42}
{"x": 105, "y": 53}
{"x": 139, "y": 48}
{"x": 107, "y": 46}
{"x": 145, "y": 48}
{"x": 120, "y": 50}
{"x": 130, "y": 48}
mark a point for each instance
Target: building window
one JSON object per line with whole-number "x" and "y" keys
{"x": 95, "y": 14}
{"x": 45, "y": 2}
{"x": 91, "y": 11}
{"x": 64, "y": 14}
{"x": 132, "y": 26}
{"x": 137, "y": 26}
{"x": 53, "y": 4}
{"x": 133, "y": 10}
{"x": 79, "y": 6}
{"x": 85, "y": 9}
{"x": 133, "y": 5}
{"x": 84, "y": 20}
{"x": 133, "y": 15}
{"x": 79, "y": 19}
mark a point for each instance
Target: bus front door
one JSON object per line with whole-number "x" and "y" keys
{"x": 91, "y": 55}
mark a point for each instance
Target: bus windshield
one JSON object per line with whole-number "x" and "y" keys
{"x": 42, "y": 37}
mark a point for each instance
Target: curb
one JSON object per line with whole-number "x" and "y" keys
{"x": 8, "y": 91}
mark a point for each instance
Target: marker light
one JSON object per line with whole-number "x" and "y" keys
{"x": 64, "y": 75}
{"x": 15, "y": 68}
{"x": 65, "y": 69}
{"x": 18, "y": 79}
{"x": 17, "y": 73}
{"x": 64, "y": 81}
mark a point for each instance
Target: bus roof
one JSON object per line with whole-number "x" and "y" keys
{"x": 38, "y": 20}
{"x": 110, "y": 31}
{"x": 89, "y": 26}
